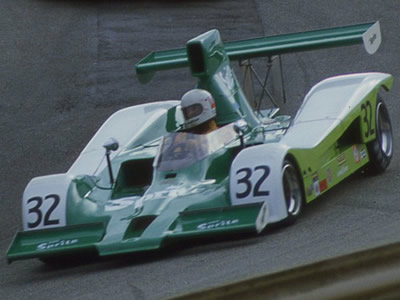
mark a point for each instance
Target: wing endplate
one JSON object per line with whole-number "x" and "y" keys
{"x": 367, "y": 34}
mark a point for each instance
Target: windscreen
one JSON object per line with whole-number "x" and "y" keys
{"x": 182, "y": 149}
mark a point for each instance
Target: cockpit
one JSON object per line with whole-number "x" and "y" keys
{"x": 179, "y": 150}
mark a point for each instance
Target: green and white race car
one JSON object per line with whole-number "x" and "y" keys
{"x": 142, "y": 183}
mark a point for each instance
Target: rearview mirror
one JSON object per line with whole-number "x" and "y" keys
{"x": 240, "y": 127}
{"x": 110, "y": 145}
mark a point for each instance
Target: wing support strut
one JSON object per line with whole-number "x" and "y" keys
{"x": 249, "y": 72}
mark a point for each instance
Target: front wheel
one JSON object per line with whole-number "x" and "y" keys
{"x": 292, "y": 190}
{"x": 380, "y": 150}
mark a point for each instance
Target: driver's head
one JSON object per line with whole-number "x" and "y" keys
{"x": 198, "y": 107}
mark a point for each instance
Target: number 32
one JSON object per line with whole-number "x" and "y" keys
{"x": 38, "y": 211}
{"x": 247, "y": 182}
{"x": 368, "y": 111}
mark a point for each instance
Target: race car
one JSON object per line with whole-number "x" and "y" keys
{"x": 144, "y": 182}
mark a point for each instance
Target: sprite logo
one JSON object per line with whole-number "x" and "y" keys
{"x": 56, "y": 244}
{"x": 217, "y": 224}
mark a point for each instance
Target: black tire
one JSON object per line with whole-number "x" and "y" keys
{"x": 293, "y": 191}
{"x": 380, "y": 150}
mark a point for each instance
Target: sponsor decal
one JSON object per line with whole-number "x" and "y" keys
{"x": 217, "y": 224}
{"x": 342, "y": 171}
{"x": 309, "y": 190}
{"x": 315, "y": 180}
{"x": 226, "y": 77}
{"x": 317, "y": 191}
{"x": 356, "y": 154}
{"x": 315, "y": 176}
{"x": 329, "y": 175}
{"x": 372, "y": 39}
{"x": 363, "y": 153}
{"x": 323, "y": 185}
{"x": 56, "y": 244}
{"x": 341, "y": 159}
{"x": 121, "y": 203}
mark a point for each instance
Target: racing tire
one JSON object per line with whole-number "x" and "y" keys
{"x": 380, "y": 150}
{"x": 293, "y": 192}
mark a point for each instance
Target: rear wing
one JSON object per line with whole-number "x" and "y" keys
{"x": 368, "y": 34}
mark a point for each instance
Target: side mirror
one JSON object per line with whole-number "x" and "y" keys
{"x": 110, "y": 145}
{"x": 240, "y": 128}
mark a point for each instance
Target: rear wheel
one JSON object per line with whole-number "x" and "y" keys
{"x": 292, "y": 190}
{"x": 380, "y": 150}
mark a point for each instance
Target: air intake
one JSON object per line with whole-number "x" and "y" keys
{"x": 138, "y": 226}
{"x": 196, "y": 58}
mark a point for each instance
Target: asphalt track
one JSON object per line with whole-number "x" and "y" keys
{"x": 67, "y": 65}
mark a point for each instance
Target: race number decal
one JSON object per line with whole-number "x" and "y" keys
{"x": 44, "y": 202}
{"x": 43, "y": 213}
{"x": 252, "y": 180}
{"x": 367, "y": 117}
{"x": 249, "y": 184}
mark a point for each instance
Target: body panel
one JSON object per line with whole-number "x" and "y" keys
{"x": 141, "y": 124}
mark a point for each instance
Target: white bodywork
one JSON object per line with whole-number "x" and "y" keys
{"x": 270, "y": 156}
{"x": 44, "y": 200}
{"x": 131, "y": 127}
{"x": 327, "y": 104}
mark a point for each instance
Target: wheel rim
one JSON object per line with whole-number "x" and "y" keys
{"x": 384, "y": 129}
{"x": 292, "y": 190}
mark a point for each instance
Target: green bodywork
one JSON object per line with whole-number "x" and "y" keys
{"x": 147, "y": 208}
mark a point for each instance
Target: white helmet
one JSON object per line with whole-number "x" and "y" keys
{"x": 198, "y": 106}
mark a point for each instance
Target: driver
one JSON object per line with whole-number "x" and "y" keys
{"x": 198, "y": 107}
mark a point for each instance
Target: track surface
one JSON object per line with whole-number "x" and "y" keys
{"x": 67, "y": 65}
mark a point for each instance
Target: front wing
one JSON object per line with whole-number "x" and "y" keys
{"x": 100, "y": 238}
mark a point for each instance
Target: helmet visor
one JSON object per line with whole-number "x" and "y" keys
{"x": 192, "y": 111}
